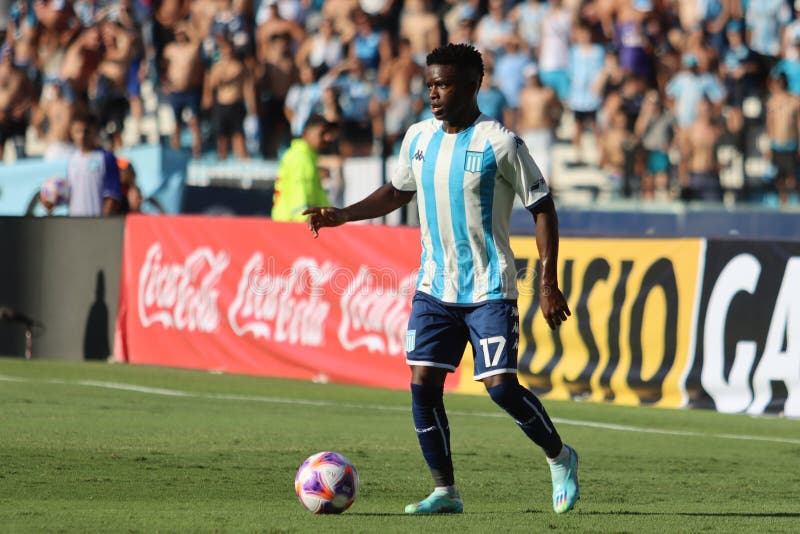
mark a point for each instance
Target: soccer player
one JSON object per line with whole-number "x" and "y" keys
{"x": 466, "y": 169}
{"x": 92, "y": 172}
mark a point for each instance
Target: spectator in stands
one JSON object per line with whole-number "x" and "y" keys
{"x": 783, "y": 130}
{"x": 299, "y": 185}
{"x": 791, "y": 34}
{"x": 24, "y": 36}
{"x": 341, "y": 12}
{"x": 15, "y": 102}
{"x": 400, "y": 74}
{"x": 789, "y": 66}
{"x": 654, "y": 129}
{"x": 329, "y": 105}
{"x": 554, "y": 50}
{"x": 80, "y": 61}
{"x": 633, "y": 44}
{"x": 420, "y": 26}
{"x": 370, "y": 46}
{"x": 52, "y": 121}
{"x": 699, "y": 167}
{"x": 527, "y": 17}
{"x": 537, "y": 118}
{"x": 494, "y": 29}
{"x": 229, "y": 94}
{"x": 321, "y": 50}
{"x": 609, "y": 82}
{"x": 274, "y": 24}
{"x": 293, "y": 10}
{"x": 276, "y": 72}
{"x": 509, "y": 69}
{"x": 457, "y": 13}
{"x": 166, "y": 14}
{"x": 123, "y": 14}
{"x": 109, "y": 95}
{"x": 585, "y": 68}
{"x": 765, "y": 20}
{"x": 130, "y": 194}
{"x": 304, "y": 98}
{"x": 360, "y": 108}
{"x": 492, "y": 102}
{"x": 23, "y": 33}
{"x": 92, "y": 172}
{"x": 688, "y": 88}
{"x": 182, "y": 75}
{"x": 615, "y": 146}
{"x": 464, "y": 32}
{"x": 737, "y": 65}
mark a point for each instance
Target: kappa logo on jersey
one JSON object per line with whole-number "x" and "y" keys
{"x": 419, "y": 156}
{"x": 474, "y": 161}
{"x": 411, "y": 339}
{"x": 537, "y": 185}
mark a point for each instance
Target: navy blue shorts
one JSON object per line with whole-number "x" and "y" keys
{"x": 438, "y": 334}
{"x": 181, "y": 100}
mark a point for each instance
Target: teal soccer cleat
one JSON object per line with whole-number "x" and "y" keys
{"x": 565, "y": 483}
{"x": 438, "y": 503}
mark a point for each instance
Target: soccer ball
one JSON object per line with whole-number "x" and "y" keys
{"x": 54, "y": 191}
{"x": 326, "y": 483}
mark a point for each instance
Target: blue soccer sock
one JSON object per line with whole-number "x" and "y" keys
{"x": 529, "y": 414}
{"x": 433, "y": 431}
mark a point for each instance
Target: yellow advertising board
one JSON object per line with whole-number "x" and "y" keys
{"x": 628, "y": 339}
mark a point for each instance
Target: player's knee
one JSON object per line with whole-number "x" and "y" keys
{"x": 505, "y": 393}
{"x": 426, "y": 395}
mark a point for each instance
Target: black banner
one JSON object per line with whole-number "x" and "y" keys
{"x": 747, "y": 343}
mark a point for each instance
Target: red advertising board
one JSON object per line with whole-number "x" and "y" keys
{"x": 258, "y": 297}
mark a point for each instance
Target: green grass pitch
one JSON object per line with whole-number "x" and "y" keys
{"x": 90, "y": 447}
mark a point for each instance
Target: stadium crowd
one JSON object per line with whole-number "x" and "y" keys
{"x": 660, "y": 86}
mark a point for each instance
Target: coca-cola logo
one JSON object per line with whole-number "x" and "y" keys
{"x": 183, "y": 295}
{"x": 375, "y": 312}
{"x": 286, "y": 306}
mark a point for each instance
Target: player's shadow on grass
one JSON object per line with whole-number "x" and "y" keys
{"x": 579, "y": 512}
{"x": 96, "y": 342}
{"x": 699, "y": 514}
{"x": 403, "y": 514}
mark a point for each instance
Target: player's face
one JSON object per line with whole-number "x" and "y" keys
{"x": 82, "y": 134}
{"x": 321, "y": 137}
{"x": 451, "y": 93}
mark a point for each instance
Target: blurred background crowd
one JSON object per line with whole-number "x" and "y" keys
{"x": 661, "y": 99}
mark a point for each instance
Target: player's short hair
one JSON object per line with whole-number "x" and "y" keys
{"x": 463, "y": 56}
{"x": 319, "y": 120}
{"x": 85, "y": 117}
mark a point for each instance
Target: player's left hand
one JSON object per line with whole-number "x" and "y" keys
{"x": 554, "y": 306}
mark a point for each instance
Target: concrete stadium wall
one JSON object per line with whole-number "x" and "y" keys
{"x": 63, "y": 272}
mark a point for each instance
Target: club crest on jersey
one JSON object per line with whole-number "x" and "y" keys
{"x": 474, "y": 161}
{"x": 411, "y": 336}
{"x": 419, "y": 156}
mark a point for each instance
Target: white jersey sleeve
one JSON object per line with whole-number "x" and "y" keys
{"x": 403, "y": 177}
{"x": 518, "y": 168}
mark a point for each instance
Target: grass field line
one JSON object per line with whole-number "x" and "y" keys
{"x": 136, "y": 388}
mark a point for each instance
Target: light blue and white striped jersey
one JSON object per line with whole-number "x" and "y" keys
{"x": 465, "y": 185}
{"x": 585, "y": 65}
{"x": 765, "y": 19}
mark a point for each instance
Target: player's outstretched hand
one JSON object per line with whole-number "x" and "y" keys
{"x": 327, "y": 216}
{"x": 554, "y": 306}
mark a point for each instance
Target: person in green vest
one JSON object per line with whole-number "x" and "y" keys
{"x": 299, "y": 185}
